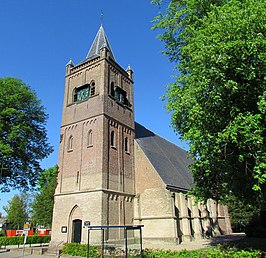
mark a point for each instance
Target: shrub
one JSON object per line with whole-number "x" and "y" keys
{"x": 76, "y": 249}
{"x": 214, "y": 252}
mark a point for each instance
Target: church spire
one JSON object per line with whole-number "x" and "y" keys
{"x": 99, "y": 42}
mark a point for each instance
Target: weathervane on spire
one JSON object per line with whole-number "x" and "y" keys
{"x": 101, "y": 17}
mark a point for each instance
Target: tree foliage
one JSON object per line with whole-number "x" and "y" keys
{"x": 16, "y": 211}
{"x": 241, "y": 213}
{"x": 42, "y": 207}
{"x": 23, "y": 138}
{"x": 218, "y": 101}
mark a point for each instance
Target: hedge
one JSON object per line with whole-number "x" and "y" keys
{"x": 75, "y": 249}
{"x": 19, "y": 240}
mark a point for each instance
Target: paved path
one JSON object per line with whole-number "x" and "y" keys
{"x": 15, "y": 253}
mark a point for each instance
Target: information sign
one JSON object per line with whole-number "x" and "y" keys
{"x": 26, "y": 226}
{"x": 86, "y": 224}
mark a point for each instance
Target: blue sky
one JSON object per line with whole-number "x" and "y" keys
{"x": 39, "y": 37}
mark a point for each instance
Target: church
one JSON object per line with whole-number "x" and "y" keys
{"x": 113, "y": 170}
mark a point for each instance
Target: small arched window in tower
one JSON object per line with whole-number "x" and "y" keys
{"x": 75, "y": 95}
{"x": 77, "y": 180}
{"x": 112, "y": 139}
{"x": 126, "y": 145}
{"x": 112, "y": 92}
{"x": 90, "y": 139}
{"x": 92, "y": 93}
{"x": 70, "y": 143}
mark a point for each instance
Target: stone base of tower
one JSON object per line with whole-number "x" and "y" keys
{"x": 70, "y": 212}
{"x": 102, "y": 207}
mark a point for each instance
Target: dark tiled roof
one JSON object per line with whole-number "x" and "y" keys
{"x": 99, "y": 42}
{"x": 170, "y": 161}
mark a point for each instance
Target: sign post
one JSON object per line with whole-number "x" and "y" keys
{"x": 26, "y": 229}
{"x": 86, "y": 225}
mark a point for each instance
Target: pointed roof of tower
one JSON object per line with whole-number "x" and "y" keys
{"x": 70, "y": 62}
{"x": 99, "y": 42}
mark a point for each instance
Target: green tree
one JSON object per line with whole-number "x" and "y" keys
{"x": 23, "y": 138}
{"x": 218, "y": 101}
{"x": 42, "y": 207}
{"x": 241, "y": 213}
{"x": 16, "y": 211}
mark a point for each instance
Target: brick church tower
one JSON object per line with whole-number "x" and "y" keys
{"x": 96, "y": 161}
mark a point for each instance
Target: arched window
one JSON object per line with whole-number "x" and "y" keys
{"x": 92, "y": 93}
{"x": 77, "y": 180}
{"x": 70, "y": 143}
{"x": 75, "y": 95}
{"x": 112, "y": 89}
{"x": 90, "y": 139}
{"x": 126, "y": 145}
{"x": 120, "y": 95}
{"x": 112, "y": 140}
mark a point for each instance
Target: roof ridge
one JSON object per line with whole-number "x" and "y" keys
{"x": 181, "y": 148}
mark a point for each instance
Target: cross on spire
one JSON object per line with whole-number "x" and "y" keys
{"x": 101, "y": 17}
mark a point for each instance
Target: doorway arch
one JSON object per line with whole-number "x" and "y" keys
{"x": 75, "y": 225}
